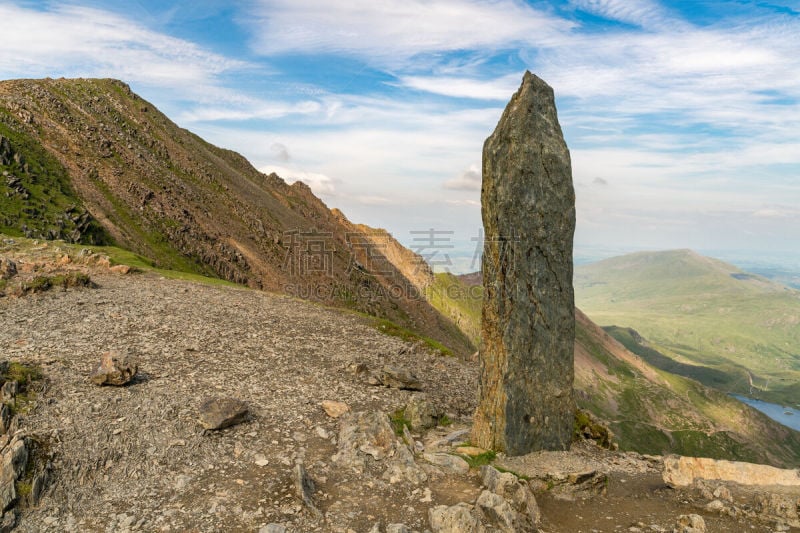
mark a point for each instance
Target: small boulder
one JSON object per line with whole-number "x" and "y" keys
{"x": 497, "y": 512}
{"x": 691, "y": 523}
{"x": 453, "y": 519}
{"x": 399, "y": 378}
{"x": 220, "y": 413}
{"x": 8, "y": 268}
{"x": 420, "y": 412}
{"x": 304, "y": 489}
{"x": 120, "y": 269}
{"x": 334, "y": 409}
{"x": 450, "y": 463}
{"x": 115, "y": 369}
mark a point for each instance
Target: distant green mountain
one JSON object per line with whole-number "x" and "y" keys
{"x": 649, "y": 409}
{"x": 729, "y": 329}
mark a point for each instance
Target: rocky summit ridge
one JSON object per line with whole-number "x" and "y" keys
{"x": 88, "y": 160}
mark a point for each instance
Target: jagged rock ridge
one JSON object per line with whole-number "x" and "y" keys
{"x": 166, "y": 194}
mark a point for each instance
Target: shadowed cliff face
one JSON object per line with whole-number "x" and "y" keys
{"x": 528, "y": 208}
{"x": 166, "y": 194}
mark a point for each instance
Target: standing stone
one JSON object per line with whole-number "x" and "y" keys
{"x": 528, "y": 322}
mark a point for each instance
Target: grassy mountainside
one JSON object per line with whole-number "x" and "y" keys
{"x": 140, "y": 181}
{"x": 724, "y": 327}
{"x": 655, "y": 411}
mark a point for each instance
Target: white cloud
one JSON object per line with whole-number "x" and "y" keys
{"x": 74, "y": 41}
{"x": 469, "y": 180}
{"x": 644, "y": 13}
{"x": 396, "y": 30}
{"x": 499, "y": 89}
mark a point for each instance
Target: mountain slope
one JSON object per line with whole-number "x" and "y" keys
{"x": 654, "y": 411}
{"x": 740, "y": 330}
{"x": 166, "y": 194}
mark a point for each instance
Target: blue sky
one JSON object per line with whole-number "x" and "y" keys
{"x": 683, "y": 118}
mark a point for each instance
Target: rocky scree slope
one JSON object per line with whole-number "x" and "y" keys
{"x": 126, "y": 173}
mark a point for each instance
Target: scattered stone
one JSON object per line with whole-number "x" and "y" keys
{"x": 456, "y": 436}
{"x": 397, "y": 528}
{"x": 114, "y": 369}
{"x": 273, "y": 528}
{"x": 715, "y": 506}
{"x": 120, "y": 269}
{"x": 5, "y": 418}
{"x": 496, "y": 512}
{"x": 453, "y": 519}
{"x": 220, "y": 413}
{"x": 364, "y": 434}
{"x": 261, "y": 460}
{"x": 8, "y": 268}
{"x": 692, "y": 523}
{"x": 420, "y": 412}
{"x": 9, "y": 391}
{"x": 334, "y": 409}
{"x": 9, "y": 521}
{"x": 683, "y": 471}
{"x": 517, "y": 493}
{"x": 304, "y": 489}
{"x": 399, "y": 378}
{"x": 528, "y": 326}
{"x": 450, "y": 463}
{"x": 723, "y": 493}
{"x": 773, "y": 506}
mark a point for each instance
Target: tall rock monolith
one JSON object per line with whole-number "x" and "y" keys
{"x": 528, "y": 324}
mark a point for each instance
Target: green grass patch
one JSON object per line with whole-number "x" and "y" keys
{"x": 59, "y": 281}
{"x": 36, "y": 195}
{"x": 399, "y": 421}
{"x": 444, "y": 421}
{"x": 390, "y": 328}
{"x": 477, "y": 461}
{"x": 28, "y": 378}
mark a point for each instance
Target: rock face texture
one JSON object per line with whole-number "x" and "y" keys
{"x": 528, "y": 326}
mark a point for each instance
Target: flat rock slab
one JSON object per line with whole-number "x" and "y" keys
{"x": 334, "y": 409}
{"x": 115, "y": 369}
{"x": 683, "y": 471}
{"x": 220, "y": 413}
{"x": 399, "y": 378}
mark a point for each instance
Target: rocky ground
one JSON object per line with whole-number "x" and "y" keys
{"x": 136, "y": 458}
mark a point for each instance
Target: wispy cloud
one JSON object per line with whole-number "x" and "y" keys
{"x": 392, "y": 31}
{"x": 643, "y": 13}
{"x": 496, "y": 89}
{"x": 70, "y": 40}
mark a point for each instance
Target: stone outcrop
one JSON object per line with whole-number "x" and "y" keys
{"x": 367, "y": 438}
{"x": 684, "y": 471}
{"x": 528, "y": 330}
{"x": 114, "y": 369}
